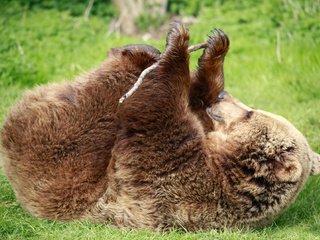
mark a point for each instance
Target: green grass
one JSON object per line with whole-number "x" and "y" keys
{"x": 44, "y": 45}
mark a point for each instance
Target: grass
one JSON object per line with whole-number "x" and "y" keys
{"x": 44, "y": 45}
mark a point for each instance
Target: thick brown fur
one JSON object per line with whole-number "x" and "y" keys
{"x": 57, "y": 140}
{"x": 174, "y": 154}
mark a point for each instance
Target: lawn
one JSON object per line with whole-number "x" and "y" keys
{"x": 273, "y": 64}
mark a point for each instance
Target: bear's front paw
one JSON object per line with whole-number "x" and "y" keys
{"x": 178, "y": 36}
{"x": 217, "y": 44}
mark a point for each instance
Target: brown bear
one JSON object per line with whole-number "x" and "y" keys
{"x": 180, "y": 152}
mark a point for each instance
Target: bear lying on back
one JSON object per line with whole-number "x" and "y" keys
{"x": 180, "y": 152}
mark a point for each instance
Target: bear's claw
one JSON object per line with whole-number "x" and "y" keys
{"x": 178, "y": 36}
{"x": 218, "y": 43}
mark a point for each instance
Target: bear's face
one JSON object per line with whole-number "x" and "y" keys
{"x": 266, "y": 142}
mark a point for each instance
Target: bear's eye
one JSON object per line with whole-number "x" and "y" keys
{"x": 222, "y": 95}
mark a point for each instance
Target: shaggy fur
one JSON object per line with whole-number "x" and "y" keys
{"x": 177, "y": 153}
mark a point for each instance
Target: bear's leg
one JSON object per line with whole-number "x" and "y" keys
{"x": 208, "y": 81}
{"x": 163, "y": 94}
{"x": 155, "y": 123}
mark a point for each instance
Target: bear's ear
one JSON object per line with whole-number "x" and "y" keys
{"x": 113, "y": 52}
{"x": 141, "y": 56}
{"x": 315, "y": 161}
{"x": 288, "y": 170}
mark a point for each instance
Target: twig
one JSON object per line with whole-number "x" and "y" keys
{"x": 115, "y": 26}
{"x": 20, "y": 49}
{"x": 197, "y": 47}
{"x": 88, "y": 10}
{"x": 152, "y": 67}
{"x": 138, "y": 82}
{"x": 278, "y": 47}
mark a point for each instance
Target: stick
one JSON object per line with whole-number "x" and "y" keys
{"x": 88, "y": 10}
{"x": 138, "y": 82}
{"x": 152, "y": 67}
{"x": 278, "y": 47}
{"x": 197, "y": 47}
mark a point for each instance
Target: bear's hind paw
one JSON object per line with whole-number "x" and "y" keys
{"x": 178, "y": 36}
{"x": 218, "y": 43}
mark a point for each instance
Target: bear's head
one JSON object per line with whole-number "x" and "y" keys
{"x": 265, "y": 138}
{"x": 265, "y": 156}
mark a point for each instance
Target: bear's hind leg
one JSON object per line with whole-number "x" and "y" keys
{"x": 208, "y": 81}
{"x": 164, "y": 91}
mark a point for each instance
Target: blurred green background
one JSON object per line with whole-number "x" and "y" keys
{"x": 273, "y": 64}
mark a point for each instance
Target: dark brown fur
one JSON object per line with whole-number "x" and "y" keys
{"x": 158, "y": 160}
